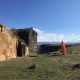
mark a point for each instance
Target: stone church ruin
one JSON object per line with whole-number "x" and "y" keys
{"x": 17, "y": 42}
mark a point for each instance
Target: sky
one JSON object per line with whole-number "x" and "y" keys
{"x": 54, "y": 20}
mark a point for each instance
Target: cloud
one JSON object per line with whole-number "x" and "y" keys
{"x": 75, "y": 38}
{"x": 51, "y": 37}
{"x": 73, "y": 34}
{"x": 38, "y": 31}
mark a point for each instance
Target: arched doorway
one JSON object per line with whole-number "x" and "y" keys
{"x": 20, "y": 48}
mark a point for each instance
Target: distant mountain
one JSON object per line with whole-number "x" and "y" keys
{"x": 44, "y": 47}
{"x": 55, "y": 43}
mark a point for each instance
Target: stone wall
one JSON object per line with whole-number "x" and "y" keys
{"x": 29, "y": 38}
{"x": 17, "y": 42}
{"x": 7, "y": 45}
{"x": 32, "y": 41}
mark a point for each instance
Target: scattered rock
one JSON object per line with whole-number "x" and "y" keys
{"x": 76, "y": 66}
{"x": 56, "y": 53}
{"x": 33, "y": 66}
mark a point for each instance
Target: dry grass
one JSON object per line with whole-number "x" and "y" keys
{"x": 48, "y": 67}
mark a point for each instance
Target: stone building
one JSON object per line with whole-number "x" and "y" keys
{"x": 17, "y": 42}
{"x": 26, "y": 37}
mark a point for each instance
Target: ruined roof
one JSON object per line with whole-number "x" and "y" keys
{"x": 2, "y": 25}
{"x": 23, "y": 30}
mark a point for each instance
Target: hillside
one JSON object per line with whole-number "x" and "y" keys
{"x": 48, "y": 67}
{"x": 47, "y": 48}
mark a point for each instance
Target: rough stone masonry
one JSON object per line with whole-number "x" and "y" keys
{"x": 17, "y": 42}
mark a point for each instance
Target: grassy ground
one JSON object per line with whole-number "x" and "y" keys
{"x": 47, "y": 68}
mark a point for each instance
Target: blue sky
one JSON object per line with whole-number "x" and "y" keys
{"x": 52, "y": 17}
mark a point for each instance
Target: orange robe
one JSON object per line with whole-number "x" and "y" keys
{"x": 63, "y": 48}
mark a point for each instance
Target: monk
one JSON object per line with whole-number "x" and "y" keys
{"x": 63, "y": 48}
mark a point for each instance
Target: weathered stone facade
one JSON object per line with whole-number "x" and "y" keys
{"x": 28, "y": 37}
{"x": 17, "y": 42}
{"x": 7, "y": 44}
